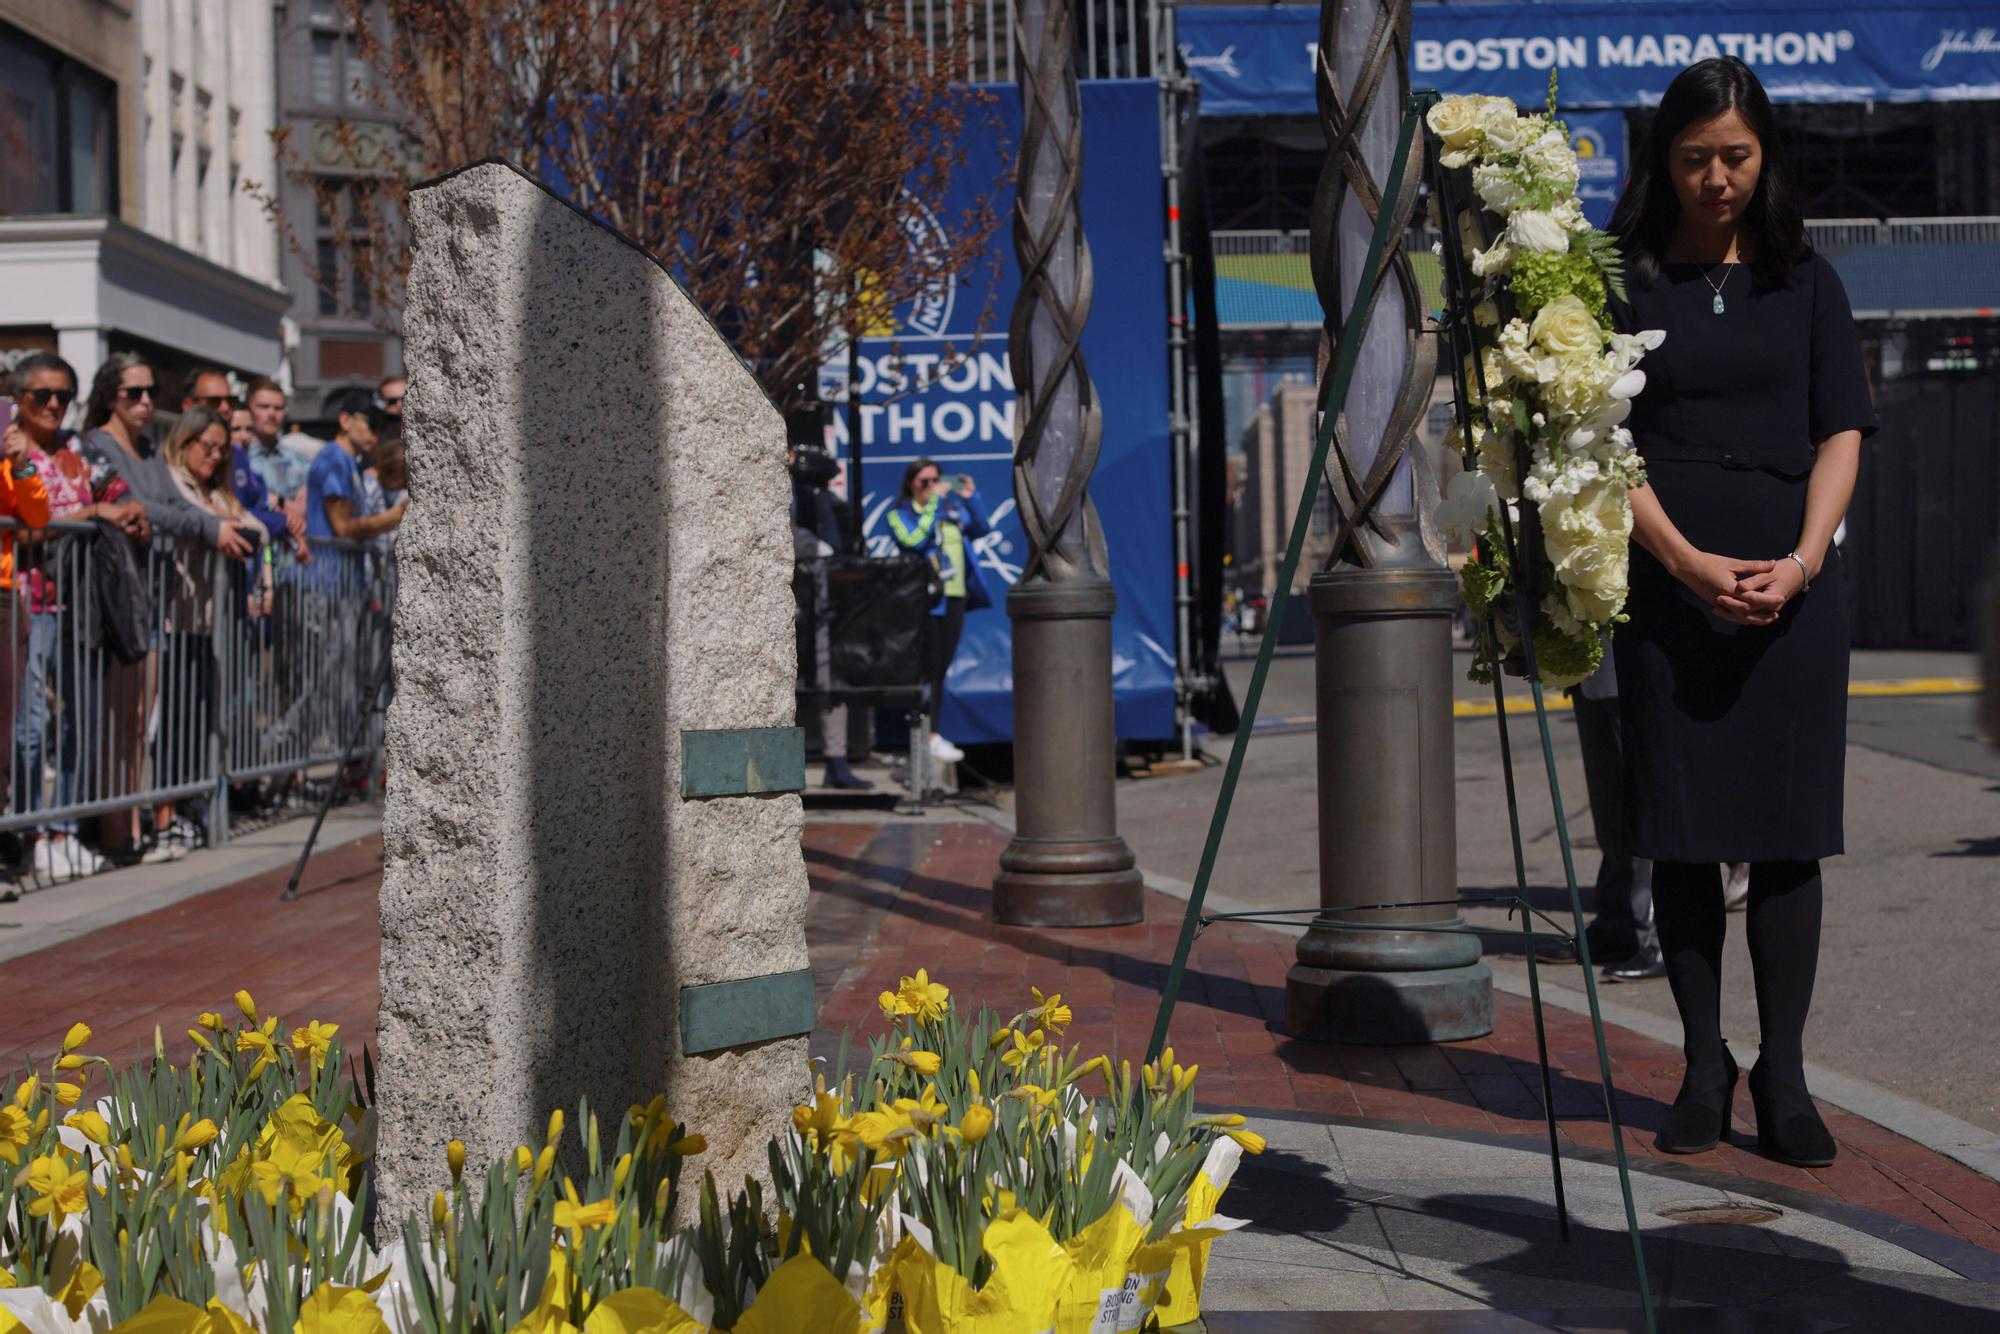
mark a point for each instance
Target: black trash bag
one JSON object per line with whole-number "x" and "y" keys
{"x": 878, "y": 616}
{"x": 118, "y": 617}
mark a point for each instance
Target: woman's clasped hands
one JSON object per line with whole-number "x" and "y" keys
{"x": 1746, "y": 592}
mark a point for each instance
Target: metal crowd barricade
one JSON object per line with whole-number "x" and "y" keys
{"x": 237, "y": 686}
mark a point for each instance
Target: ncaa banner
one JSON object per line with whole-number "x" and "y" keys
{"x": 963, "y": 417}
{"x": 1616, "y": 53}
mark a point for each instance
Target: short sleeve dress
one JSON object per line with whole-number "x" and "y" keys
{"x": 1736, "y": 736}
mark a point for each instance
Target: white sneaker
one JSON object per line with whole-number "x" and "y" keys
{"x": 944, "y": 750}
{"x": 166, "y": 850}
{"x": 66, "y": 859}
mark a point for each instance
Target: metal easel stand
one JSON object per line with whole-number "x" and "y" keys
{"x": 363, "y": 720}
{"x": 1333, "y": 401}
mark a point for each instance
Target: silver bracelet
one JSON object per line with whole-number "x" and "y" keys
{"x": 1804, "y": 573}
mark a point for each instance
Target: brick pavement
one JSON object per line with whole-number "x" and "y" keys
{"x": 890, "y": 897}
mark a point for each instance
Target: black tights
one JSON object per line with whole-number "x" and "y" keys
{"x": 1784, "y": 916}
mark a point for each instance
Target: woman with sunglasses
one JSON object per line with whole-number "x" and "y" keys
{"x": 45, "y": 386}
{"x": 122, "y": 401}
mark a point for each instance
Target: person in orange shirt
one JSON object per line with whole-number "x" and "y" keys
{"x": 24, "y": 499}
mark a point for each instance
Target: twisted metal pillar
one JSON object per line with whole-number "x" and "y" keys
{"x": 1382, "y": 604}
{"x": 1066, "y": 865}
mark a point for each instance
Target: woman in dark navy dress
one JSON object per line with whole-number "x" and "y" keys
{"x": 1733, "y": 666}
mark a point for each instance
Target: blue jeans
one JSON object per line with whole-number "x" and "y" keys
{"x": 39, "y": 726}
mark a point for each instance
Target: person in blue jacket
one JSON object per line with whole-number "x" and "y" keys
{"x": 941, "y": 524}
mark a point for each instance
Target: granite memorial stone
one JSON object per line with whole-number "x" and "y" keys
{"x": 594, "y": 885}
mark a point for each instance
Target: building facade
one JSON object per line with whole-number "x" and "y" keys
{"x": 326, "y": 107}
{"x": 134, "y": 126}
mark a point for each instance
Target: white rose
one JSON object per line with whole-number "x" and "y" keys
{"x": 1497, "y": 188}
{"x": 1569, "y": 212}
{"x": 1456, "y": 120}
{"x": 1504, "y": 130}
{"x": 1533, "y": 229}
{"x": 1552, "y": 160}
{"x": 1567, "y": 328}
{"x": 1454, "y": 158}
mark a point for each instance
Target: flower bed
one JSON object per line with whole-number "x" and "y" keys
{"x": 1549, "y": 390}
{"x": 976, "y": 1176}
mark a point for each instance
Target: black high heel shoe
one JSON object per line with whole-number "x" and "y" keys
{"x": 1699, "y": 1117}
{"x": 1788, "y": 1125}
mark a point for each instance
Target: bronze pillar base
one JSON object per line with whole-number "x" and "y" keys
{"x": 1066, "y": 866}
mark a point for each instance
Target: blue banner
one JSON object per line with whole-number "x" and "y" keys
{"x": 964, "y": 418}
{"x": 1601, "y": 162}
{"x": 1608, "y": 53}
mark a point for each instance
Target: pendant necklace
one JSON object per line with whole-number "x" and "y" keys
{"x": 1718, "y": 287}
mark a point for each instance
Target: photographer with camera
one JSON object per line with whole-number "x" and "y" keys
{"x": 940, "y": 525}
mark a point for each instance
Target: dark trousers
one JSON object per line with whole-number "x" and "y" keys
{"x": 1624, "y": 882}
{"x": 942, "y": 646}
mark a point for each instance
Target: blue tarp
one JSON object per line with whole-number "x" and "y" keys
{"x": 1617, "y": 53}
{"x": 966, "y": 422}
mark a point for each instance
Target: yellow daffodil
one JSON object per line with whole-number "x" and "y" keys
{"x": 545, "y": 1162}
{"x": 886, "y": 1130}
{"x": 71, "y": 1061}
{"x": 555, "y": 1126}
{"x": 337, "y": 1310}
{"x": 1251, "y": 1141}
{"x": 687, "y": 1146}
{"x": 974, "y": 1125}
{"x": 524, "y": 1158}
{"x": 196, "y": 1135}
{"x": 60, "y": 1188}
{"x": 200, "y": 1039}
{"x": 1025, "y": 1047}
{"x": 454, "y": 1157}
{"x": 921, "y": 997}
{"x": 247, "y": 1006}
{"x": 78, "y": 1035}
{"x": 68, "y": 1094}
{"x": 16, "y": 1128}
{"x": 314, "y": 1041}
{"x": 926, "y": 1063}
{"x": 210, "y": 1020}
{"x": 620, "y": 1171}
{"x": 90, "y": 1125}
{"x": 574, "y": 1216}
{"x": 927, "y": 1109}
{"x": 890, "y": 1004}
{"x": 655, "y": 1127}
{"x": 1050, "y": 1013}
{"x": 440, "y": 1210}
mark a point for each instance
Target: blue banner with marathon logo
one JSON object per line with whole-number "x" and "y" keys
{"x": 962, "y": 416}
{"x": 1259, "y": 61}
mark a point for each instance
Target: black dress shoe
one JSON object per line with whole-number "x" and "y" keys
{"x": 1699, "y": 1116}
{"x": 839, "y": 775}
{"x": 1610, "y": 944}
{"x": 1788, "y": 1125}
{"x": 1648, "y": 965}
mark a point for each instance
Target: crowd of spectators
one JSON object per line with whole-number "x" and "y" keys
{"x": 114, "y": 675}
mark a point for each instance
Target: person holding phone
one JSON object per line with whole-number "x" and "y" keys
{"x": 941, "y": 525}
